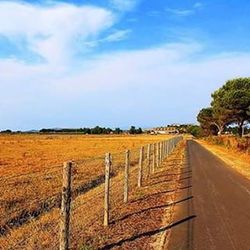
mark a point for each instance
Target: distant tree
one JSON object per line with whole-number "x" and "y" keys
{"x": 139, "y": 131}
{"x": 213, "y": 120}
{"x": 207, "y": 121}
{"x": 221, "y": 118}
{"x": 205, "y": 117}
{"x": 132, "y": 130}
{"x": 194, "y": 130}
{"x": 117, "y": 131}
{"x": 7, "y": 131}
{"x": 108, "y": 131}
{"x": 233, "y": 101}
{"x": 97, "y": 130}
{"x": 86, "y": 130}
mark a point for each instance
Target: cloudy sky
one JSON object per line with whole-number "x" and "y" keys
{"x": 117, "y": 63}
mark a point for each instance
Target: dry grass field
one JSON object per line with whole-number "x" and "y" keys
{"x": 29, "y": 153}
{"x": 28, "y": 191}
{"x": 31, "y": 169}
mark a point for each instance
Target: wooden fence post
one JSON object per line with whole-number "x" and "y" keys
{"x": 153, "y": 160}
{"x": 140, "y": 167}
{"x": 157, "y": 154}
{"x": 107, "y": 184}
{"x": 65, "y": 207}
{"x": 160, "y": 155}
{"x": 126, "y": 179}
{"x": 164, "y": 150}
{"x": 148, "y": 159}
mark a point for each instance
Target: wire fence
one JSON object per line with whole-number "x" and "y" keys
{"x": 37, "y": 213}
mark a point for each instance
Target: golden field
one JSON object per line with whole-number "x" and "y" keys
{"x": 28, "y": 153}
{"x": 31, "y": 167}
{"x": 26, "y": 192}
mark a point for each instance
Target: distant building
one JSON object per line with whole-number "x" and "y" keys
{"x": 167, "y": 130}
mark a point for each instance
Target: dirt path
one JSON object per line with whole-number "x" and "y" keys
{"x": 214, "y": 212}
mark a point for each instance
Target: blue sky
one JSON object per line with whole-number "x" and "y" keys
{"x": 117, "y": 62}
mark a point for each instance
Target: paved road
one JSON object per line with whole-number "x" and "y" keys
{"x": 214, "y": 207}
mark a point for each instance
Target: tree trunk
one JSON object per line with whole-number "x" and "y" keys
{"x": 220, "y": 128}
{"x": 240, "y": 131}
{"x": 240, "y": 128}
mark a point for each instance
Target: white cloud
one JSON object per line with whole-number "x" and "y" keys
{"x": 52, "y": 30}
{"x": 166, "y": 75}
{"x": 166, "y": 67}
{"x": 124, "y": 5}
{"x": 118, "y": 35}
{"x": 179, "y": 12}
{"x": 185, "y": 12}
{"x": 170, "y": 74}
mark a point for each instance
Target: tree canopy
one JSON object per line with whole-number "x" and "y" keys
{"x": 134, "y": 130}
{"x": 230, "y": 105}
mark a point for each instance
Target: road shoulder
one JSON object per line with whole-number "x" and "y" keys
{"x": 236, "y": 160}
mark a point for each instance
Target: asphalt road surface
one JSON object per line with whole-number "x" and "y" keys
{"x": 213, "y": 206}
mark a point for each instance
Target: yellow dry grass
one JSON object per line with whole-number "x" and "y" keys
{"x": 27, "y": 153}
{"x": 238, "y": 160}
{"x": 87, "y": 209}
{"x": 31, "y": 167}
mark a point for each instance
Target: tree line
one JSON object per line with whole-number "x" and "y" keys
{"x": 97, "y": 130}
{"x": 94, "y": 131}
{"x": 230, "y": 108}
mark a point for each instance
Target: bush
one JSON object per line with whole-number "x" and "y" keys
{"x": 194, "y": 130}
{"x": 232, "y": 142}
{"x": 7, "y": 131}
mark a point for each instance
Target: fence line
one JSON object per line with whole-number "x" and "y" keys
{"x": 166, "y": 148}
{"x": 133, "y": 167}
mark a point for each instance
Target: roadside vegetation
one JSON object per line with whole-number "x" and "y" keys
{"x": 225, "y": 125}
{"x": 233, "y": 150}
{"x": 230, "y": 107}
